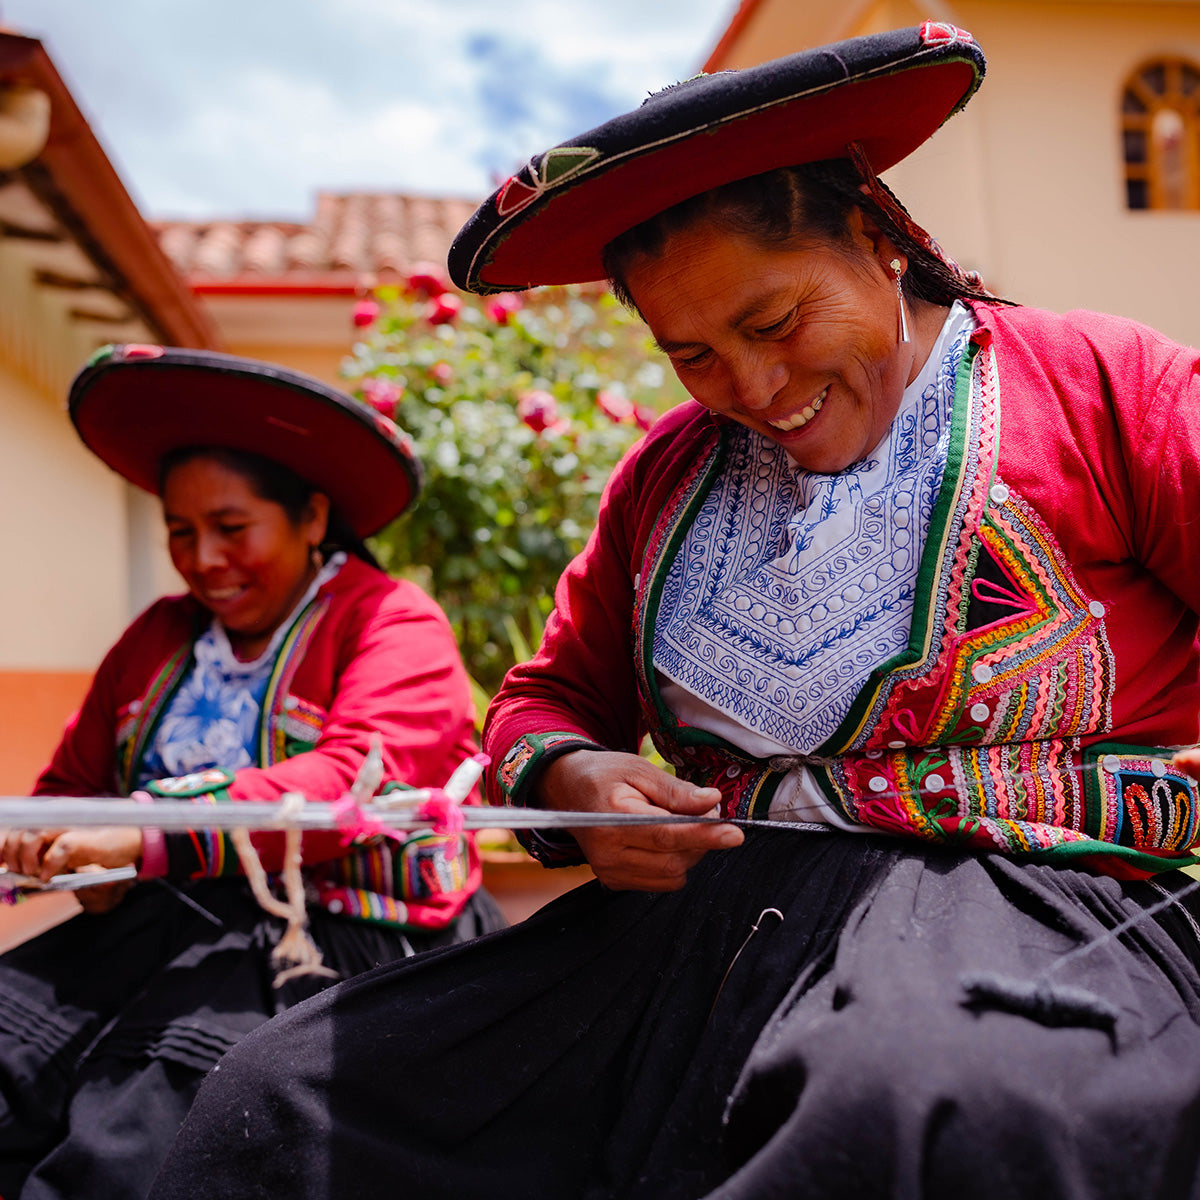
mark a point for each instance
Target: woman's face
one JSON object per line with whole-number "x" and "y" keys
{"x": 241, "y": 556}
{"x": 801, "y": 344}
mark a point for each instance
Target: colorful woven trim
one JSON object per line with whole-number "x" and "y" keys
{"x": 1005, "y": 646}
{"x": 420, "y": 882}
{"x": 138, "y": 720}
{"x": 278, "y": 721}
{"x": 528, "y": 754}
{"x": 1139, "y": 799}
{"x": 364, "y": 905}
{"x": 1044, "y": 798}
{"x": 200, "y": 853}
{"x": 666, "y": 537}
{"x": 422, "y": 866}
{"x": 302, "y": 724}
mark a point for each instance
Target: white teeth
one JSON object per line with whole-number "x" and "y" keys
{"x": 806, "y": 414}
{"x": 222, "y": 593}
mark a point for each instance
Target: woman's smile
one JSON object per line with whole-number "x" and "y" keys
{"x": 802, "y": 418}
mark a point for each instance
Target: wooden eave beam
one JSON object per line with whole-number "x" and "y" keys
{"x": 20, "y": 234}
{"x": 66, "y": 283}
{"x": 75, "y": 178}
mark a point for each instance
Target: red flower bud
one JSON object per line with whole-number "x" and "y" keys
{"x": 443, "y": 310}
{"x": 503, "y": 306}
{"x": 428, "y": 279}
{"x": 382, "y": 395}
{"x": 366, "y": 313}
{"x": 539, "y": 410}
{"x": 615, "y": 407}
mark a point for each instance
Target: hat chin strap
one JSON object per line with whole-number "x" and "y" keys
{"x": 898, "y": 215}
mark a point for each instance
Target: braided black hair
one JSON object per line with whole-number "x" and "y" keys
{"x": 781, "y": 206}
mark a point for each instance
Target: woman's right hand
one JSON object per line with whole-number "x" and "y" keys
{"x": 648, "y": 858}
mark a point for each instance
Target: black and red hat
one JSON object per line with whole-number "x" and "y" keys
{"x": 550, "y": 222}
{"x": 133, "y": 404}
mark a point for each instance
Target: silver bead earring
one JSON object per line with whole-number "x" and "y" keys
{"x": 895, "y": 265}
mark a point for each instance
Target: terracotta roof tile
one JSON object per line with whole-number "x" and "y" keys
{"x": 358, "y": 235}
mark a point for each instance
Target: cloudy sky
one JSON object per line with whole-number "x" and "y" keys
{"x": 248, "y": 107}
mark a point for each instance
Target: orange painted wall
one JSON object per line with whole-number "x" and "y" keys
{"x": 34, "y": 706}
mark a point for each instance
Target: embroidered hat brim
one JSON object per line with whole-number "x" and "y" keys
{"x": 550, "y": 222}
{"x": 133, "y": 404}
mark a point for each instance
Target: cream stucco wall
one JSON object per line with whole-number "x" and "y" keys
{"x": 1027, "y": 183}
{"x": 77, "y": 558}
{"x": 63, "y": 538}
{"x": 306, "y": 333}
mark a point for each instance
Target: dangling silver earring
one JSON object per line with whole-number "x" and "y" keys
{"x": 895, "y": 265}
{"x": 316, "y": 557}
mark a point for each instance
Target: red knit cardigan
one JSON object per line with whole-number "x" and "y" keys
{"x": 369, "y": 654}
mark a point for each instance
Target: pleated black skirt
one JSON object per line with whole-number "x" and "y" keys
{"x": 108, "y": 1024}
{"x": 813, "y": 1016}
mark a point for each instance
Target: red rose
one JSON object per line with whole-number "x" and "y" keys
{"x": 382, "y": 395}
{"x": 615, "y": 407}
{"x": 444, "y": 309}
{"x": 427, "y": 279}
{"x": 539, "y": 410}
{"x": 366, "y": 313}
{"x": 644, "y": 415}
{"x": 501, "y": 307}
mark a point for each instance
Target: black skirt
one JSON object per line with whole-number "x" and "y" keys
{"x": 109, "y": 1023}
{"x": 812, "y": 1016}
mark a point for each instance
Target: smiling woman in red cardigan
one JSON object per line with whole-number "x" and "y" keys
{"x": 289, "y": 652}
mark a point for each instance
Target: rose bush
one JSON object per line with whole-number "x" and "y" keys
{"x": 519, "y": 410}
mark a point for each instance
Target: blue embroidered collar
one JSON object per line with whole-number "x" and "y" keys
{"x": 791, "y": 587}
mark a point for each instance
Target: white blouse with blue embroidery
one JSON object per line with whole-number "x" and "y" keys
{"x": 212, "y": 720}
{"x": 791, "y": 587}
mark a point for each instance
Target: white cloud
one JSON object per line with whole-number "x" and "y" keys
{"x": 229, "y": 108}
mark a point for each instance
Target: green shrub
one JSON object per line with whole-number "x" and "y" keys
{"x": 519, "y": 412}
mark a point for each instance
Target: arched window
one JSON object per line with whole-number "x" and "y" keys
{"x": 1160, "y": 118}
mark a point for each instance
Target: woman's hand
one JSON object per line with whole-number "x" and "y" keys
{"x": 84, "y": 849}
{"x": 1188, "y": 761}
{"x": 648, "y": 858}
{"x": 23, "y": 848}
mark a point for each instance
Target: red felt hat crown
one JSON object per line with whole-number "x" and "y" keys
{"x": 133, "y": 404}
{"x": 550, "y": 222}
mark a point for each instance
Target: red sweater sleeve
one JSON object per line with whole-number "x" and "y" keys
{"x": 84, "y": 764}
{"x": 581, "y": 689}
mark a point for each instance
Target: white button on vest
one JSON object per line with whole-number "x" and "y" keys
{"x": 290, "y": 703}
{"x": 1096, "y": 608}
{"x": 1158, "y": 767}
{"x": 998, "y": 493}
{"x": 1111, "y": 763}
{"x": 334, "y": 906}
{"x": 896, "y": 745}
{"x": 982, "y": 673}
{"x": 934, "y": 783}
{"x": 878, "y": 784}
{"x": 980, "y": 712}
